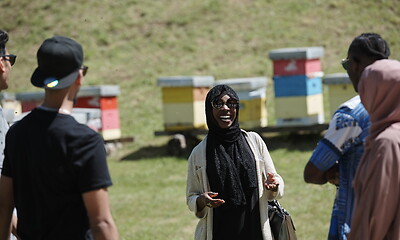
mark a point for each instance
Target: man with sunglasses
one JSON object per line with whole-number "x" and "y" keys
{"x": 336, "y": 157}
{"x": 6, "y": 62}
{"x": 55, "y": 169}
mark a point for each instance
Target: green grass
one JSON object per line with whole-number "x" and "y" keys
{"x": 132, "y": 42}
{"x": 148, "y": 196}
{"x": 148, "y": 199}
{"x": 310, "y": 205}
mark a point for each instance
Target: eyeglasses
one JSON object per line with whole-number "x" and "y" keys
{"x": 220, "y": 104}
{"x": 10, "y": 57}
{"x": 84, "y": 70}
{"x": 346, "y": 63}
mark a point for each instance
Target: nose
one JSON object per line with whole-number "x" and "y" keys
{"x": 225, "y": 106}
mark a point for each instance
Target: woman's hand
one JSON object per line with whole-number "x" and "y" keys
{"x": 271, "y": 183}
{"x": 207, "y": 199}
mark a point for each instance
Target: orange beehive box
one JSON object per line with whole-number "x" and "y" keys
{"x": 102, "y": 98}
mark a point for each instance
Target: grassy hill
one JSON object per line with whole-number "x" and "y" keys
{"x": 132, "y": 42}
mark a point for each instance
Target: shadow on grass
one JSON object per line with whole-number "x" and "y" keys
{"x": 299, "y": 142}
{"x": 146, "y": 153}
{"x": 155, "y": 152}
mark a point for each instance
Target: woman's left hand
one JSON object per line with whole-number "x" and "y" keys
{"x": 271, "y": 183}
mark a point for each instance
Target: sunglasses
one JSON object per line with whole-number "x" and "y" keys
{"x": 84, "y": 70}
{"x": 220, "y": 104}
{"x": 346, "y": 63}
{"x": 9, "y": 57}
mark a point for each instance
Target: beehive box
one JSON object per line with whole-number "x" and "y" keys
{"x": 297, "y": 85}
{"x": 10, "y": 106}
{"x": 340, "y": 89}
{"x": 296, "y": 61}
{"x": 105, "y": 99}
{"x": 299, "y": 106}
{"x": 29, "y": 100}
{"x": 253, "y": 101}
{"x": 183, "y": 99}
{"x": 96, "y": 106}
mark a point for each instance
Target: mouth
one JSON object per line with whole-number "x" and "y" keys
{"x": 226, "y": 118}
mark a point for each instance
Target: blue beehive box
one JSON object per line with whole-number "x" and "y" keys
{"x": 296, "y": 85}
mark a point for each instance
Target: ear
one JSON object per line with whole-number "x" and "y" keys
{"x": 2, "y": 65}
{"x": 79, "y": 79}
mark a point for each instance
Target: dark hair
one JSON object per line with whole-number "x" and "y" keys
{"x": 3, "y": 41}
{"x": 370, "y": 45}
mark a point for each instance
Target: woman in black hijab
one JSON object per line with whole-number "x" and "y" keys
{"x": 230, "y": 175}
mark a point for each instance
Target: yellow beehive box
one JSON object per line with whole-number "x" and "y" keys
{"x": 298, "y": 106}
{"x": 340, "y": 89}
{"x": 184, "y": 94}
{"x": 184, "y": 116}
{"x": 253, "y": 109}
{"x": 253, "y": 102}
{"x": 183, "y": 100}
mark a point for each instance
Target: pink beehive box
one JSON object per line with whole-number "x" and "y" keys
{"x": 96, "y": 106}
{"x": 296, "y": 61}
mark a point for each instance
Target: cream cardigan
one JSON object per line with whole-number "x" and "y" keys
{"x": 197, "y": 183}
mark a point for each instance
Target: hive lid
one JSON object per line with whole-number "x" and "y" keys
{"x": 99, "y": 90}
{"x": 184, "y": 81}
{"x": 29, "y": 96}
{"x": 244, "y": 84}
{"x": 7, "y": 96}
{"x": 337, "y": 78}
{"x": 85, "y": 91}
{"x": 296, "y": 53}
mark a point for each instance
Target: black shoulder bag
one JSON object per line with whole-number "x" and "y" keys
{"x": 280, "y": 221}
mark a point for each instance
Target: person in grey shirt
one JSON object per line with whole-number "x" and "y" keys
{"x": 7, "y": 60}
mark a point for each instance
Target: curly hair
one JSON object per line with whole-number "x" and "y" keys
{"x": 370, "y": 45}
{"x": 3, "y": 41}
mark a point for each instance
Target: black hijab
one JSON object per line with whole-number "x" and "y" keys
{"x": 231, "y": 166}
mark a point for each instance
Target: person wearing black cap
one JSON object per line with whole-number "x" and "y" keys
{"x": 55, "y": 170}
{"x": 231, "y": 175}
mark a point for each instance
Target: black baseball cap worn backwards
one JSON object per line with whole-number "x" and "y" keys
{"x": 59, "y": 61}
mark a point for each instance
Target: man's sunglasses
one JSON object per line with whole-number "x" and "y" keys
{"x": 84, "y": 70}
{"x": 9, "y": 57}
{"x": 345, "y": 63}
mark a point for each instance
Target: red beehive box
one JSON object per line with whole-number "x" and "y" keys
{"x": 103, "y": 97}
{"x": 296, "y": 61}
{"x": 96, "y": 106}
{"x": 296, "y": 67}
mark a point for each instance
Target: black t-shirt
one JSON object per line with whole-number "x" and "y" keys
{"x": 52, "y": 160}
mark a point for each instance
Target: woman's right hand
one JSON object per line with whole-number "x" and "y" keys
{"x": 207, "y": 199}
{"x": 271, "y": 183}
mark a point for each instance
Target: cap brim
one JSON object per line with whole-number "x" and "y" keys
{"x": 42, "y": 80}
